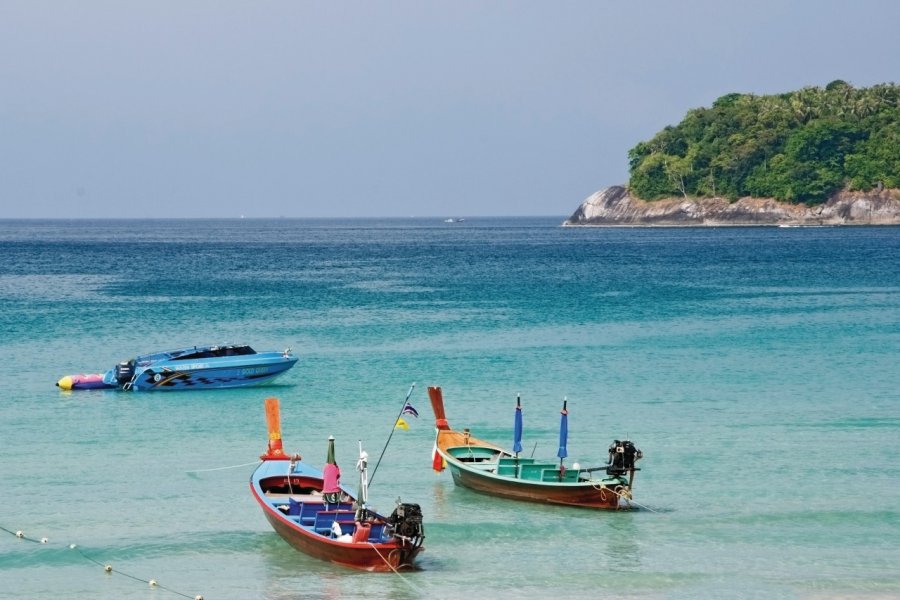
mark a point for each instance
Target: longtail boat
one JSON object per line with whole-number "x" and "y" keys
{"x": 488, "y": 468}
{"x": 315, "y": 514}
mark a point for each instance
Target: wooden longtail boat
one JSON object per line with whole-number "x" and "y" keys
{"x": 313, "y": 513}
{"x": 487, "y": 468}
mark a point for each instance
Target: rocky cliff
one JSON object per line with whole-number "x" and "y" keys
{"x": 614, "y": 206}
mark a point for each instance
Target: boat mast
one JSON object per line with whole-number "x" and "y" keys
{"x": 362, "y": 502}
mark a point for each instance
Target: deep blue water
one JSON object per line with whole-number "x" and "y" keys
{"x": 757, "y": 368}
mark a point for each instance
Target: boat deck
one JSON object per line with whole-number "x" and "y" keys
{"x": 500, "y": 463}
{"x": 311, "y": 512}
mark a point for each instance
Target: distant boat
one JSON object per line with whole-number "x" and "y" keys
{"x": 194, "y": 368}
{"x": 316, "y": 515}
{"x": 453, "y": 220}
{"x": 487, "y": 468}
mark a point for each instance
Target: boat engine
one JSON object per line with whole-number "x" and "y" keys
{"x": 407, "y": 521}
{"x": 124, "y": 372}
{"x": 622, "y": 456}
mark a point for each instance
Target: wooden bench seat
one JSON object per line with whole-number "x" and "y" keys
{"x": 306, "y": 511}
{"x": 325, "y": 518}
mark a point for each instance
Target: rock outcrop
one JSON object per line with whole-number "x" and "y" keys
{"x": 614, "y": 206}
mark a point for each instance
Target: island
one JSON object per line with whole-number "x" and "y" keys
{"x": 816, "y": 156}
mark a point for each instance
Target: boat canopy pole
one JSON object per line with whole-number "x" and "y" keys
{"x": 563, "y": 452}
{"x": 393, "y": 427}
{"x": 362, "y": 465}
{"x": 517, "y": 432}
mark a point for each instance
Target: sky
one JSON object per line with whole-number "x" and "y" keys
{"x": 463, "y": 108}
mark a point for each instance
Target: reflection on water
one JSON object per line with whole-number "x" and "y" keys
{"x": 439, "y": 500}
{"x": 622, "y": 547}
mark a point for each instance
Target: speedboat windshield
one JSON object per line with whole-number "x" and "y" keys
{"x": 212, "y": 352}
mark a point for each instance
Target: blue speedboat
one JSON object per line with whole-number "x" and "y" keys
{"x": 200, "y": 368}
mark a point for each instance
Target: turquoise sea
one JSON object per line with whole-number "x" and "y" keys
{"x": 757, "y": 368}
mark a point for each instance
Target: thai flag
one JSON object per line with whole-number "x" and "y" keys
{"x": 409, "y": 410}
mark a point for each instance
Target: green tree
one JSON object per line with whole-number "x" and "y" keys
{"x": 800, "y": 146}
{"x": 876, "y": 163}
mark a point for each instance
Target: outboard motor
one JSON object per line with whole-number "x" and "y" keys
{"x": 622, "y": 456}
{"x": 124, "y": 372}
{"x": 407, "y": 521}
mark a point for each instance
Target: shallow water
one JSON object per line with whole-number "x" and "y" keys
{"x": 756, "y": 368}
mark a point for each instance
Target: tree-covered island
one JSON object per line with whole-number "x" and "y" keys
{"x": 803, "y": 148}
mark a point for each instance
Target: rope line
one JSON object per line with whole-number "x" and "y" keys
{"x": 223, "y": 468}
{"x": 106, "y": 567}
{"x": 603, "y": 488}
{"x": 391, "y": 567}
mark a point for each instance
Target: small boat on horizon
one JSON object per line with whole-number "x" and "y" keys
{"x": 487, "y": 468}
{"x": 215, "y": 366}
{"x": 318, "y": 516}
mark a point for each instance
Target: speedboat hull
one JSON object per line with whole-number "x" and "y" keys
{"x": 201, "y": 367}
{"x": 261, "y": 371}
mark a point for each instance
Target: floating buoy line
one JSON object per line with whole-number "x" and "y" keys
{"x": 106, "y": 566}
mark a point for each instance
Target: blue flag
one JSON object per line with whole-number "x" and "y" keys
{"x": 409, "y": 410}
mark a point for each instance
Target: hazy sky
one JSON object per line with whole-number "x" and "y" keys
{"x": 220, "y": 108}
